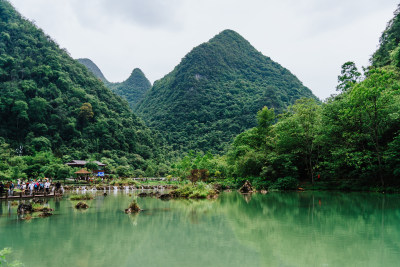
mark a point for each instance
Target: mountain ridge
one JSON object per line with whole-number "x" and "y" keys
{"x": 216, "y": 89}
{"x": 50, "y": 102}
{"x": 132, "y": 89}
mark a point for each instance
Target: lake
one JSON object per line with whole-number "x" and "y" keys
{"x": 276, "y": 229}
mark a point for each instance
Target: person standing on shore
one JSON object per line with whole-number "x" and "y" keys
{"x": 31, "y": 186}
{"x": 47, "y": 186}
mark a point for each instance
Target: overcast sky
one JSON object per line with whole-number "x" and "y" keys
{"x": 312, "y": 38}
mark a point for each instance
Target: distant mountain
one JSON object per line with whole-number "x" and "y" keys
{"x": 215, "y": 92}
{"x": 132, "y": 89}
{"x": 48, "y": 101}
{"x": 388, "y": 43}
{"x": 93, "y": 68}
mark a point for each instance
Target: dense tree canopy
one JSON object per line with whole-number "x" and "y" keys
{"x": 213, "y": 94}
{"x": 132, "y": 89}
{"x": 50, "y": 102}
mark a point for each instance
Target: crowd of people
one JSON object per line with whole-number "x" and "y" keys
{"x": 29, "y": 187}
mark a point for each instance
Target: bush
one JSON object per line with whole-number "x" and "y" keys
{"x": 287, "y": 183}
{"x": 201, "y": 190}
{"x": 86, "y": 196}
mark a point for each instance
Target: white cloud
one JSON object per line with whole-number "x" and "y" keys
{"x": 312, "y": 38}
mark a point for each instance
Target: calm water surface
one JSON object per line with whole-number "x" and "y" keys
{"x": 277, "y": 229}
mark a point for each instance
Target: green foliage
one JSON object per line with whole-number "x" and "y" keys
{"x": 4, "y": 253}
{"x": 50, "y": 102}
{"x": 86, "y": 196}
{"x": 133, "y": 89}
{"x": 286, "y": 183}
{"x": 213, "y": 94}
{"x": 201, "y": 190}
{"x": 389, "y": 41}
{"x": 93, "y": 68}
{"x": 348, "y": 77}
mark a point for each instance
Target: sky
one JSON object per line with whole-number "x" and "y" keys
{"x": 311, "y": 38}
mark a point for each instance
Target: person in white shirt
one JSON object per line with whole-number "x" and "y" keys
{"x": 47, "y": 186}
{"x": 31, "y": 186}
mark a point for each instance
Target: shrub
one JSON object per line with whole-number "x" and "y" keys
{"x": 286, "y": 183}
{"x": 86, "y": 196}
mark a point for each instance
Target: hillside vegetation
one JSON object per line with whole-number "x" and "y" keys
{"x": 213, "y": 94}
{"x": 349, "y": 142}
{"x": 51, "y": 103}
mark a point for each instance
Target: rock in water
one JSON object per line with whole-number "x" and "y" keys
{"x": 165, "y": 196}
{"x": 24, "y": 208}
{"x": 246, "y": 188}
{"x": 81, "y": 205}
{"x": 45, "y": 214}
{"x": 133, "y": 208}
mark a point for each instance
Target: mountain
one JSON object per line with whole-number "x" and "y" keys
{"x": 132, "y": 89}
{"x": 215, "y": 92}
{"x": 49, "y": 101}
{"x": 388, "y": 43}
{"x": 93, "y": 68}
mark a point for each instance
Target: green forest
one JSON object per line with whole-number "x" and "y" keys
{"x": 226, "y": 112}
{"x": 215, "y": 92}
{"x": 50, "y": 103}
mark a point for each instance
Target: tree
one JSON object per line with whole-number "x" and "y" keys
{"x": 297, "y": 134}
{"x": 376, "y": 102}
{"x": 348, "y": 77}
{"x": 86, "y": 112}
{"x": 91, "y": 165}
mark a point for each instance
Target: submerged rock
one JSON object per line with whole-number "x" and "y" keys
{"x": 24, "y": 209}
{"x": 143, "y": 194}
{"x": 133, "y": 208}
{"x": 165, "y": 196}
{"x": 246, "y": 188}
{"x": 42, "y": 209}
{"x": 82, "y": 205}
{"x": 45, "y": 214}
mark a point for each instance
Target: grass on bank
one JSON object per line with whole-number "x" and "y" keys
{"x": 201, "y": 190}
{"x": 86, "y": 196}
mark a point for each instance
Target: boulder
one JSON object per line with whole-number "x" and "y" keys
{"x": 24, "y": 209}
{"x": 143, "y": 194}
{"x": 164, "y": 196}
{"x": 45, "y": 214}
{"x": 133, "y": 208}
{"x": 246, "y": 188}
{"x": 82, "y": 205}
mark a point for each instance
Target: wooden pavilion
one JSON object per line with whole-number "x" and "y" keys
{"x": 83, "y": 174}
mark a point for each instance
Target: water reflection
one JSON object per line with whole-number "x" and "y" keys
{"x": 276, "y": 229}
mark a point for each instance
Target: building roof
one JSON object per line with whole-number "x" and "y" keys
{"x": 82, "y": 171}
{"x": 83, "y": 163}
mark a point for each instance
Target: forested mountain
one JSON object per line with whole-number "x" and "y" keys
{"x": 132, "y": 89}
{"x": 48, "y": 101}
{"x": 213, "y": 94}
{"x": 388, "y": 43}
{"x": 349, "y": 142}
{"x": 93, "y": 68}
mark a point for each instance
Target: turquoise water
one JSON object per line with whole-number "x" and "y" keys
{"x": 277, "y": 229}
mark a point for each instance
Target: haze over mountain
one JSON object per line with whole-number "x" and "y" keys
{"x": 132, "y": 89}
{"x": 48, "y": 101}
{"x": 93, "y": 68}
{"x": 215, "y": 92}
